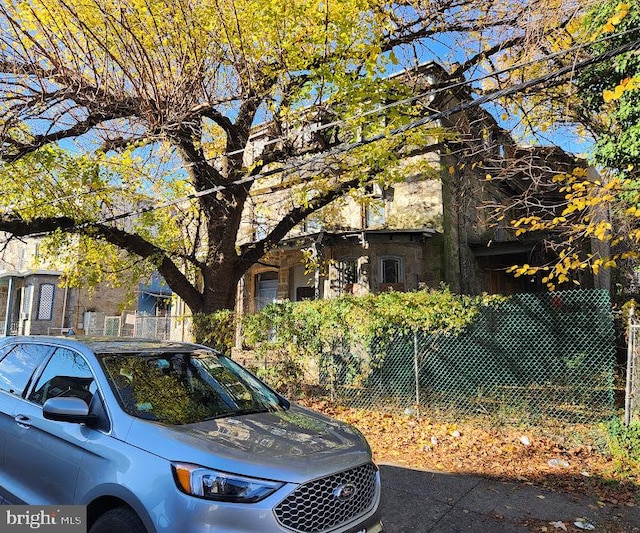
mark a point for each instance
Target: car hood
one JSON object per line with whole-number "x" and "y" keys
{"x": 293, "y": 445}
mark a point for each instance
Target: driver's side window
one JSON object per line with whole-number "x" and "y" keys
{"x": 66, "y": 374}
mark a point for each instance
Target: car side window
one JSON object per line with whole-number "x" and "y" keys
{"x": 18, "y": 365}
{"x": 67, "y": 374}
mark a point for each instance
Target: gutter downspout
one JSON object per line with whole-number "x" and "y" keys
{"x": 7, "y": 315}
{"x": 64, "y": 308}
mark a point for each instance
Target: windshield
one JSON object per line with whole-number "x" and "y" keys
{"x": 185, "y": 388}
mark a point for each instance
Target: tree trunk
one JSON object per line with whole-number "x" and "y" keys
{"x": 219, "y": 292}
{"x": 220, "y": 288}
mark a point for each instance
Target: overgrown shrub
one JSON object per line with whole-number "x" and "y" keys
{"x": 310, "y": 330}
{"x": 284, "y": 371}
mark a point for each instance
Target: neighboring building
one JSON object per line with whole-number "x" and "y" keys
{"x": 33, "y": 302}
{"x": 154, "y": 297}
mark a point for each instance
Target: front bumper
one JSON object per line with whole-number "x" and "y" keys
{"x": 188, "y": 514}
{"x": 372, "y": 525}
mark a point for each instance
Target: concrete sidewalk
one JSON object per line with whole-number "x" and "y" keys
{"x": 415, "y": 501}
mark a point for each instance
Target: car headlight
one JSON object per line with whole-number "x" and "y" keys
{"x": 214, "y": 485}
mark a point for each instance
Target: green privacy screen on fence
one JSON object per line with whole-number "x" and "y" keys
{"x": 538, "y": 355}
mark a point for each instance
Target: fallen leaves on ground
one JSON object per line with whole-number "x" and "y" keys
{"x": 570, "y": 458}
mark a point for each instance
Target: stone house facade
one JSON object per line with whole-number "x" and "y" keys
{"x": 419, "y": 232}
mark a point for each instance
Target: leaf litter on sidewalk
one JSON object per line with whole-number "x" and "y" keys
{"x": 567, "y": 458}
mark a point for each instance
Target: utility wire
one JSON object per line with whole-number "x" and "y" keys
{"x": 346, "y": 147}
{"x": 414, "y": 98}
{"x": 432, "y": 92}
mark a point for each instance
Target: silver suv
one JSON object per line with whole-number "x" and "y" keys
{"x": 171, "y": 437}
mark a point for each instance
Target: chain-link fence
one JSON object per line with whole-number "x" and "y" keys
{"x": 632, "y": 386}
{"x": 546, "y": 355}
{"x": 131, "y": 324}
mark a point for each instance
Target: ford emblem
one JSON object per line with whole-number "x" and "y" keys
{"x": 345, "y": 492}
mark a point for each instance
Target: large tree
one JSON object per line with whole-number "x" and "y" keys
{"x": 129, "y": 124}
{"x": 609, "y": 90}
{"x": 592, "y": 219}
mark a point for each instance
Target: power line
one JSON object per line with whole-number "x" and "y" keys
{"x": 345, "y": 147}
{"x": 402, "y": 129}
{"x": 380, "y": 109}
{"x": 432, "y": 92}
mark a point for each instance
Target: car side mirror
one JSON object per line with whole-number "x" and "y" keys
{"x": 64, "y": 409}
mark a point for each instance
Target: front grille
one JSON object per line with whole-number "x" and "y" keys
{"x": 315, "y": 506}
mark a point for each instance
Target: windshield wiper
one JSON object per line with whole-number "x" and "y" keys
{"x": 253, "y": 411}
{"x": 239, "y": 412}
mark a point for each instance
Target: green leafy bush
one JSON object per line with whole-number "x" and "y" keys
{"x": 624, "y": 445}
{"x": 305, "y": 331}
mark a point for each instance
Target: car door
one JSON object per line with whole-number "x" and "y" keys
{"x": 17, "y": 364}
{"x": 43, "y": 456}
{"x": 6, "y": 409}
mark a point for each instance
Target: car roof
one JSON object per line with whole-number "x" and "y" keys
{"x": 108, "y": 345}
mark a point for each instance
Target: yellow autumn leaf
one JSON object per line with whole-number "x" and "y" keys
{"x": 618, "y": 92}
{"x": 621, "y": 12}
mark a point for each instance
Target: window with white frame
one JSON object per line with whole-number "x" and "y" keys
{"x": 375, "y": 214}
{"x": 312, "y": 224}
{"x": 266, "y": 289}
{"x": 391, "y": 269}
{"x": 45, "y": 301}
{"x": 26, "y": 301}
{"x": 375, "y": 210}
